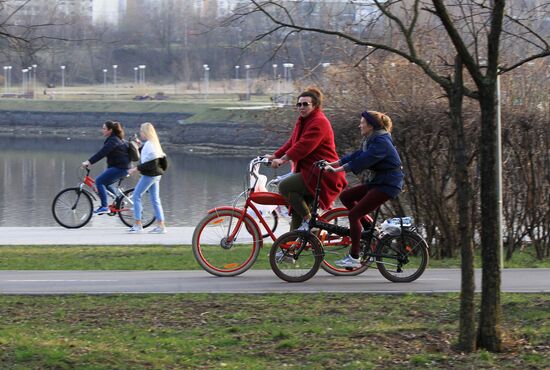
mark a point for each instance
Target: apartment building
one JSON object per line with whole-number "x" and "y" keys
{"x": 35, "y": 11}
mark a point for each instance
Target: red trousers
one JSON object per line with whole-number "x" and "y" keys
{"x": 360, "y": 200}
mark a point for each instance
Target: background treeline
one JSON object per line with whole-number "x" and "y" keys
{"x": 172, "y": 38}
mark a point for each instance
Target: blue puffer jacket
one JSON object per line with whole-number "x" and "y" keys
{"x": 116, "y": 152}
{"x": 379, "y": 155}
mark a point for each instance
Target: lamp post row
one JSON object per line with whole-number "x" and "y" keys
{"x": 29, "y": 76}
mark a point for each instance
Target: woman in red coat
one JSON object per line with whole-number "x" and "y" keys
{"x": 312, "y": 140}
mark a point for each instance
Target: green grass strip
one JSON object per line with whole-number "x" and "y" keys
{"x": 271, "y": 331}
{"x": 160, "y": 257}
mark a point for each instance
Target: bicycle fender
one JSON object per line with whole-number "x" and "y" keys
{"x": 247, "y": 216}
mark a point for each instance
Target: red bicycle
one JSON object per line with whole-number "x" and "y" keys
{"x": 227, "y": 241}
{"x": 73, "y": 207}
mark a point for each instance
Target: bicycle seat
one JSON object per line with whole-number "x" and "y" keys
{"x": 268, "y": 198}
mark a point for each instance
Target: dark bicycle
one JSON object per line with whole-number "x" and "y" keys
{"x": 400, "y": 253}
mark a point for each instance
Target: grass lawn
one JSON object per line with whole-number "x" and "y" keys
{"x": 202, "y": 112}
{"x": 157, "y": 257}
{"x": 272, "y": 331}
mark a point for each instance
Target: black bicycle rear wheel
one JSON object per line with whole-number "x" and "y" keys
{"x": 125, "y": 205}
{"x": 296, "y": 256}
{"x": 72, "y": 208}
{"x": 402, "y": 258}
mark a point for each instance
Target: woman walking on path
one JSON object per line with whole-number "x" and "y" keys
{"x": 118, "y": 162}
{"x": 311, "y": 140}
{"x": 152, "y": 166}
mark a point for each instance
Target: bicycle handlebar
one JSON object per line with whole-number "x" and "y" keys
{"x": 322, "y": 165}
{"x": 258, "y": 160}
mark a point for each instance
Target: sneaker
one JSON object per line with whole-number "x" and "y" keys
{"x": 304, "y": 226}
{"x": 101, "y": 210}
{"x": 281, "y": 257}
{"x": 348, "y": 262}
{"x": 136, "y": 229}
{"x": 158, "y": 230}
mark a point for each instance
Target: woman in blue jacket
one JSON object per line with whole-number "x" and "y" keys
{"x": 379, "y": 156}
{"x": 118, "y": 162}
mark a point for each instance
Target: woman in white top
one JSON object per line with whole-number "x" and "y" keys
{"x": 151, "y": 168}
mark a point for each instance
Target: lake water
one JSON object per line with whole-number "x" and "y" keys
{"x": 33, "y": 171}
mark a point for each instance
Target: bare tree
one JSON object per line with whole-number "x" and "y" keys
{"x": 475, "y": 30}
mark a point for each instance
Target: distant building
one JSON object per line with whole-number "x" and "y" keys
{"x": 108, "y": 11}
{"x": 33, "y": 11}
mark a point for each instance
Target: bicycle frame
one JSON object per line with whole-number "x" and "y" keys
{"x": 366, "y": 235}
{"x": 252, "y": 196}
{"x": 88, "y": 185}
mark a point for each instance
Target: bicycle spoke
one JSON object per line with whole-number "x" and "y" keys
{"x": 72, "y": 208}
{"x": 295, "y": 257}
{"x": 222, "y": 249}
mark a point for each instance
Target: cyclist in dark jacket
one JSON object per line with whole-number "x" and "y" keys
{"x": 118, "y": 162}
{"x": 379, "y": 157}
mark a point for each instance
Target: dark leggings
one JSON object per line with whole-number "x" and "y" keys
{"x": 360, "y": 200}
{"x": 294, "y": 189}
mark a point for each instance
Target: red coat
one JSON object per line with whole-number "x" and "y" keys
{"x": 312, "y": 140}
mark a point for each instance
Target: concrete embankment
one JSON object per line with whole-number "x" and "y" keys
{"x": 220, "y": 138}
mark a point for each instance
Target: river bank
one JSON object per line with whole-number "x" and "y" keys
{"x": 200, "y": 129}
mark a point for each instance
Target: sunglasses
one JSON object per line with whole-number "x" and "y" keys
{"x": 304, "y": 104}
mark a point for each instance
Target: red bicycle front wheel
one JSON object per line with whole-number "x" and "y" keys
{"x": 223, "y": 250}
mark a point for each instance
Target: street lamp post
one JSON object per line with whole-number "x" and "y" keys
{"x": 9, "y": 78}
{"x": 24, "y": 83}
{"x": 288, "y": 81}
{"x": 275, "y": 80}
{"x": 142, "y": 73}
{"x": 289, "y": 75}
{"x": 5, "y": 79}
{"x": 136, "y": 75}
{"x": 115, "y": 66}
{"x": 34, "y": 66}
{"x": 323, "y": 79}
{"x": 247, "y": 67}
{"x": 237, "y": 72}
{"x": 63, "y": 81}
{"x": 499, "y": 172}
{"x": 104, "y": 79}
{"x": 367, "y": 76}
{"x": 29, "y": 79}
{"x": 206, "y": 69}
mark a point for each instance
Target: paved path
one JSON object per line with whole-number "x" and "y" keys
{"x": 254, "y": 281}
{"x": 112, "y": 235}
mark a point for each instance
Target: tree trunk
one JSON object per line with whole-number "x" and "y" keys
{"x": 467, "y": 335}
{"x": 490, "y": 331}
